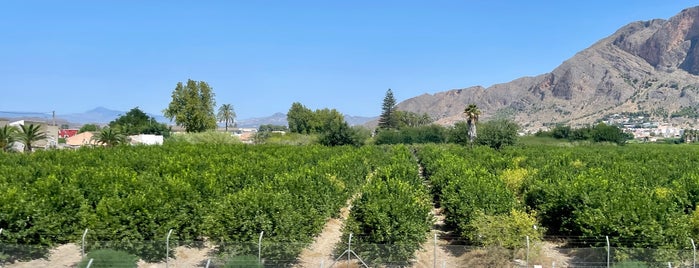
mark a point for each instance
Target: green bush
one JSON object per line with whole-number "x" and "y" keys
{"x": 109, "y": 258}
{"x": 497, "y": 133}
{"x": 413, "y": 135}
{"x": 209, "y": 137}
{"x": 245, "y": 261}
{"x": 505, "y": 230}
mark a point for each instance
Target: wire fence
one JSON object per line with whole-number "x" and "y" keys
{"x": 174, "y": 253}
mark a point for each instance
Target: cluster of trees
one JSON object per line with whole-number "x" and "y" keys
{"x": 192, "y": 107}
{"x": 391, "y": 118}
{"x": 397, "y": 126}
{"x": 598, "y": 133}
{"x": 329, "y": 124}
{"x": 26, "y": 134}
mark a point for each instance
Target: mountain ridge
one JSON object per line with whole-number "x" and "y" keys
{"x": 645, "y": 66}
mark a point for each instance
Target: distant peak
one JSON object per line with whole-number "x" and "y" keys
{"x": 101, "y": 109}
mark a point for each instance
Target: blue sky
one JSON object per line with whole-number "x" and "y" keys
{"x": 261, "y": 56}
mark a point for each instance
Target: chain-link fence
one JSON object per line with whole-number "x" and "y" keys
{"x": 205, "y": 254}
{"x": 175, "y": 253}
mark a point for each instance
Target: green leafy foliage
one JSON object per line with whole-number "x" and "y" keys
{"x": 412, "y": 135}
{"x": 226, "y": 114}
{"x": 207, "y": 137}
{"x": 410, "y": 119}
{"x": 392, "y": 216}
{"x": 29, "y": 135}
{"x": 246, "y": 261}
{"x": 192, "y": 106}
{"x": 106, "y": 258}
{"x": 598, "y": 133}
{"x": 110, "y": 137}
{"x": 136, "y": 121}
{"x": 498, "y": 133}
{"x": 8, "y": 135}
{"x": 127, "y": 196}
{"x": 89, "y": 128}
{"x": 640, "y": 196}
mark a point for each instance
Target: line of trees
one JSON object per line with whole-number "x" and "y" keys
{"x": 598, "y": 133}
{"x": 328, "y": 124}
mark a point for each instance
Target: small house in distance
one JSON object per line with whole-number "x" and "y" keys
{"x": 146, "y": 139}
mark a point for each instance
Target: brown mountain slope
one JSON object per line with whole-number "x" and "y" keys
{"x": 650, "y": 66}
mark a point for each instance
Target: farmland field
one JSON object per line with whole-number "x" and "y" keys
{"x": 640, "y": 196}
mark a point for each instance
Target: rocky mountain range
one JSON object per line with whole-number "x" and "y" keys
{"x": 646, "y": 67}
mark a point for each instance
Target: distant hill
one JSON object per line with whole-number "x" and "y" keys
{"x": 649, "y": 67}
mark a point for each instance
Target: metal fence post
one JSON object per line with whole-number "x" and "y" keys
{"x": 527, "y": 252}
{"x": 694, "y": 253}
{"x": 434, "y": 263}
{"x": 608, "y": 250}
{"x": 167, "y": 248}
{"x": 349, "y": 250}
{"x": 259, "y": 248}
{"x": 82, "y": 245}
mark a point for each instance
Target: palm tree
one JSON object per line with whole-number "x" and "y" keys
{"x": 30, "y": 134}
{"x": 226, "y": 114}
{"x": 109, "y": 137}
{"x": 472, "y": 114}
{"x": 8, "y": 135}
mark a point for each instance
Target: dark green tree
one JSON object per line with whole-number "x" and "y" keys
{"x": 412, "y": 135}
{"x": 271, "y": 127}
{"x": 300, "y": 119}
{"x": 89, "y": 128}
{"x": 410, "y": 119}
{"x": 137, "y": 122}
{"x": 8, "y": 135}
{"x": 606, "y": 133}
{"x": 336, "y": 132}
{"x": 29, "y": 135}
{"x": 387, "y": 120}
{"x": 561, "y": 132}
{"x": 498, "y": 133}
{"x": 226, "y": 114}
{"x": 458, "y": 134}
{"x": 192, "y": 106}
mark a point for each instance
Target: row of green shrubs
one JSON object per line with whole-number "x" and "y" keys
{"x": 391, "y": 218}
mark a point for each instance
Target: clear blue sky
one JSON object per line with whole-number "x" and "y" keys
{"x": 261, "y": 56}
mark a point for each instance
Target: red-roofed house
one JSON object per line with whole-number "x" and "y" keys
{"x": 67, "y": 133}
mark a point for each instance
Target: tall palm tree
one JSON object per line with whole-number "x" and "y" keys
{"x": 30, "y": 134}
{"x": 109, "y": 137}
{"x": 226, "y": 114}
{"x": 8, "y": 135}
{"x": 472, "y": 114}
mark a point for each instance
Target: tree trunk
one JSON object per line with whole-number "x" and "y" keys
{"x": 472, "y": 133}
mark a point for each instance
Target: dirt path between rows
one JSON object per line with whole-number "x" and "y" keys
{"x": 68, "y": 255}
{"x": 444, "y": 258}
{"x": 320, "y": 253}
